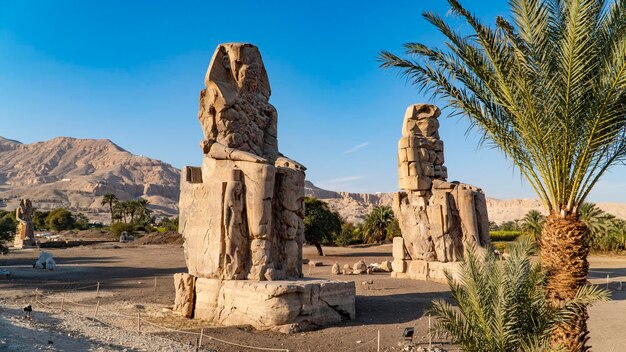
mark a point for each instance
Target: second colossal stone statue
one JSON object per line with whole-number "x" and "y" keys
{"x": 437, "y": 218}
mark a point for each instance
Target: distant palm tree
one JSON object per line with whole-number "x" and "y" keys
{"x": 133, "y": 209}
{"x": 548, "y": 88}
{"x": 109, "y": 199}
{"x": 501, "y": 305}
{"x": 598, "y": 222}
{"x": 532, "y": 223}
{"x": 378, "y": 224}
{"x": 144, "y": 212}
{"x": 121, "y": 210}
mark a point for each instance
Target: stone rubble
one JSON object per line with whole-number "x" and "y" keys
{"x": 335, "y": 270}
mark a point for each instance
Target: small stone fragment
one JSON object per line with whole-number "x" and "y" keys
{"x": 360, "y": 265}
{"x": 347, "y": 270}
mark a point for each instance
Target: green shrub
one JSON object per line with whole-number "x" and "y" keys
{"x": 168, "y": 224}
{"x": 321, "y": 224}
{"x": 501, "y": 305}
{"x": 504, "y": 236}
{"x": 8, "y": 226}
{"x": 120, "y": 227}
{"x": 500, "y": 246}
{"x": 60, "y": 219}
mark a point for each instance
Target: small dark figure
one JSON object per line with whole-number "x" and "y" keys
{"x": 408, "y": 334}
{"x": 28, "y": 310}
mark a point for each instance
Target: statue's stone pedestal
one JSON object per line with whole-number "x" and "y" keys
{"x": 283, "y": 306}
{"x": 423, "y": 270}
{"x": 404, "y": 268}
{"x": 24, "y": 243}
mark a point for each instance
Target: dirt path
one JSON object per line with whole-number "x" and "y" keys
{"x": 127, "y": 275}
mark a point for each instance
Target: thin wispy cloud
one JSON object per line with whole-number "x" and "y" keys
{"x": 340, "y": 183}
{"x": 356, "y": 147}
{"x": 345, "y": 179}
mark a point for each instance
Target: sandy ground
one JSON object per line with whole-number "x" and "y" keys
{"x": 127, "y": 288}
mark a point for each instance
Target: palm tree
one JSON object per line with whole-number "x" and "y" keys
{"x": 121, "y": 210}
{"x": 142, "y": 209}
{"x": 502, "y": 304}
{"x": 532, "y": 223}
{"x": 109, "y": 199}
{"x": 598, "y": 222}
{"x": 548, "y": 88}
{"x": 133, "y": 209}
{"x": 378, "y": 224}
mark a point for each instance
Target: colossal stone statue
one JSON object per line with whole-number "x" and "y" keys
{"x": 259, "y": 191}
{"x": 24, "y": 236}
{"x": 241, "y": 213}
{"x": 437, "y": 218}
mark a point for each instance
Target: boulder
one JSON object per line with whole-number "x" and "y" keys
{"x": 45, "y": 261}
{"x": 125, "y": 237}
{"x": 335, "y": 269}
{"x": 386, "y": 266}
{"x": 347, "y": 270}
{"x": 359, "y": 266}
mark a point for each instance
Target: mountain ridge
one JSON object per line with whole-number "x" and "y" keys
{"x": 75, "y": 173}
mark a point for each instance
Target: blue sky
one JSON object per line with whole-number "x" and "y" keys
{"x": 131, "y": 71}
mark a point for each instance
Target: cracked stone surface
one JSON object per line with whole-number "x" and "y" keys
{"x": 242, "y": 211}
{"x": 438, "y": 219}
{"x": 283, "y": 306}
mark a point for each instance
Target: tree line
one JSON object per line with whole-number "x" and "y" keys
{"x": 606, "y": 231}
{"x": 322, "y": 226}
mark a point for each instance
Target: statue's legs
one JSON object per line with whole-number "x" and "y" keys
{"x": 290, "y": 193}
{"x": 259, "y": 190}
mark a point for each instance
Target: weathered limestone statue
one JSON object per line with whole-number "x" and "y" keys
{"x": 241, "y": 213}
{"x": 254, "y": 202}
{"x": 437, "y": 218}
{"x": 24, "y": 236}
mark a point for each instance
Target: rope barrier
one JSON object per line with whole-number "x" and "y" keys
{"x": 102, "y": 309}
{"x": 363, "y": 345}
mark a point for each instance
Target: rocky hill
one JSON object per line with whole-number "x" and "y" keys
{"x": 75, "y": 173}
{"x": 351, "y": 206}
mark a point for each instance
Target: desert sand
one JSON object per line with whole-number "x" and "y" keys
{"x": 127, "y": 272}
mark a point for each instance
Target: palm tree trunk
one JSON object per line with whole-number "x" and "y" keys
{"x": 564, "y": 250}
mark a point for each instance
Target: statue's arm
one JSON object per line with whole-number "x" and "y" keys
{"x": 219, "y": 151}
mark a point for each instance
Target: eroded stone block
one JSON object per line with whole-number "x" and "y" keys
{"x": 184, "y": 284}
{"x": 398, "y": 266}
{"x": 398, "y": 251}
{"x": 284, "y": 306}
